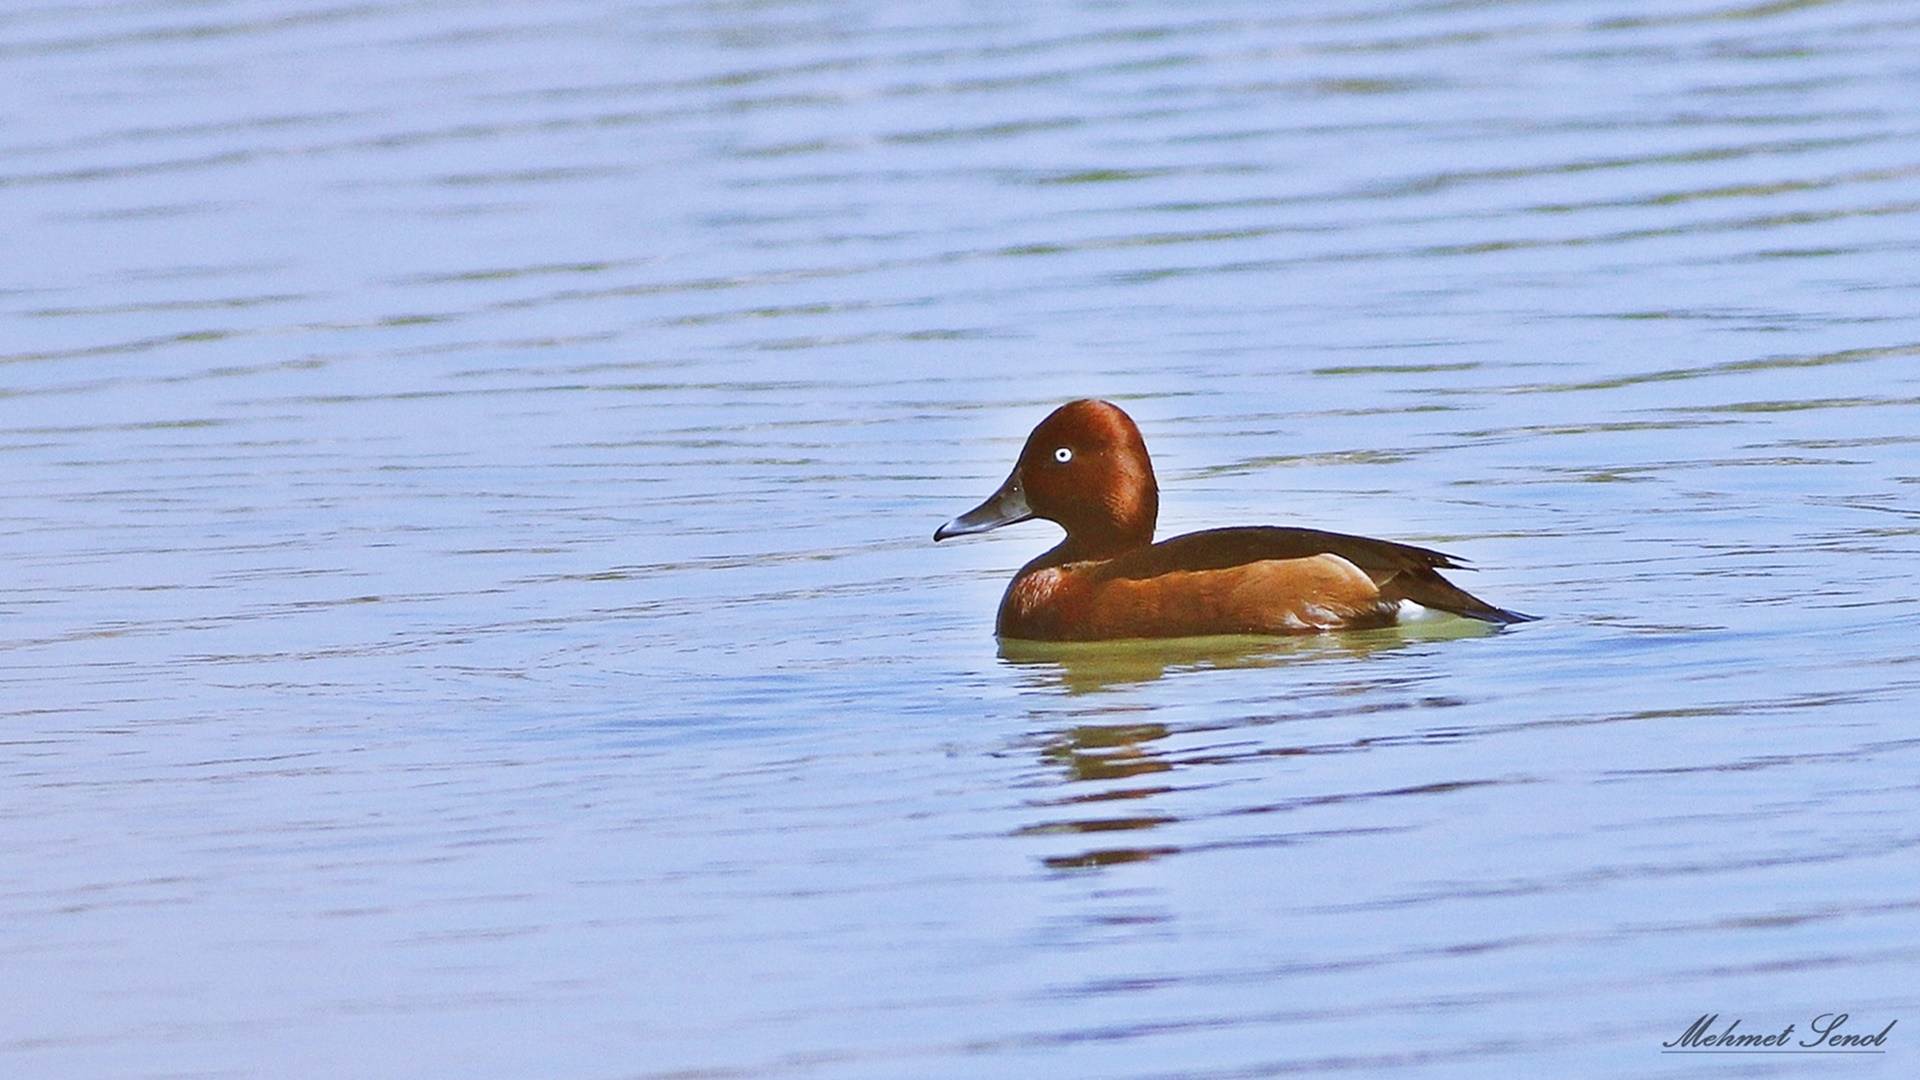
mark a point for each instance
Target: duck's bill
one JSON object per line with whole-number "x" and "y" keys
{"x": 1003, "y": 507}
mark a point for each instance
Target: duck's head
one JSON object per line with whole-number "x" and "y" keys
{"x": 1084, "y": 468}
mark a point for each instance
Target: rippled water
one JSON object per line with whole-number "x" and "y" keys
{"x": 469, "y": 605}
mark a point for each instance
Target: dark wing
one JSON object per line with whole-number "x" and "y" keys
{"x": 1217, "y": 549}
{"x": 1400, "y": 571}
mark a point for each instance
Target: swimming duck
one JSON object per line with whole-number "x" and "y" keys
{"x": 1086, "y": 469}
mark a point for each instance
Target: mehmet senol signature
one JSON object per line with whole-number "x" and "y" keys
{"x": 1822, "y": 1037}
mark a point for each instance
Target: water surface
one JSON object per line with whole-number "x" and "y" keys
{"x": 469, "y": 605}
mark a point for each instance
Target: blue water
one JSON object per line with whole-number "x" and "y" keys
{"x": 466, "y": 568}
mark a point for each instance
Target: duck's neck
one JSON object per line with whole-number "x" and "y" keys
{"x": 1079, "y": 546}
{"x": 1120, "y": 522}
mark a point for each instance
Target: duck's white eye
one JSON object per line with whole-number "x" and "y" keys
{"x": 1063, "y": 455}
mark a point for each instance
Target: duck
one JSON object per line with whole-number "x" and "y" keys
{"x": 1086, "y": 469}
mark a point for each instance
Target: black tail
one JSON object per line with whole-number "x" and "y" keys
{"x": 1427, "y": 588}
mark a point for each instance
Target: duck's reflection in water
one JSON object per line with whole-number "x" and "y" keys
{"x": 1085, "y": 667}
{"x": 1100, "y": 752}
{"x": 1122, "y": 761}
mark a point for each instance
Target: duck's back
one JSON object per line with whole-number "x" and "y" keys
{"x": 1400, "y": 571}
